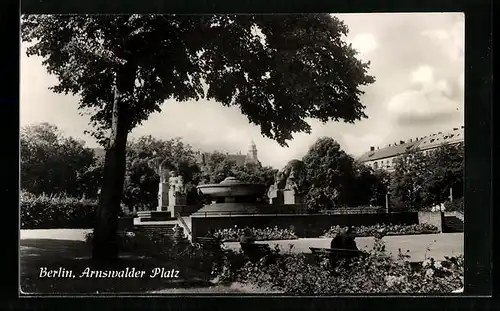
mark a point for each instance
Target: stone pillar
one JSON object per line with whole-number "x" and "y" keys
{"x": 289, "y": 197}
{"x": 163, "y": 197}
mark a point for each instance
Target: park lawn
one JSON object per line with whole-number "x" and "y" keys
{"x": 74, "y": 256}
{"x": 66, "y": 248}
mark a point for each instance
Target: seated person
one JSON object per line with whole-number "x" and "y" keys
{"x": 345, "y": 240}
{"x": 247, "y": 236}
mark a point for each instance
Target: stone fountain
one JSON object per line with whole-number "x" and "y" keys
{"x": 232, "y": 197}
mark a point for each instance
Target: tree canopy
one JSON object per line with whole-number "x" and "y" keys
{"x": 54, "y": 164}
{"x": 279, "y": 69}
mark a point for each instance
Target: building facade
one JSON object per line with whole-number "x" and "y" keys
{"x": 240, "y": 159}
{"x": 384, "y": 158}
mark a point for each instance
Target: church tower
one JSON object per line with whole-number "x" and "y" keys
{"x": 252, "y": 154}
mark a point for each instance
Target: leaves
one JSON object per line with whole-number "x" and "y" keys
{"x": 424, "y": 180}
{"x": 279, "y": 69}
{"x": 52, "y": 163}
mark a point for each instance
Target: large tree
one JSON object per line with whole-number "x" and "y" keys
{"x": 408, "y": 181}
{"x": 328, "y": 171}
{"x": 52, "y": 163}
{"x": 278, "y": 69}
{"x": 447, "y": 166}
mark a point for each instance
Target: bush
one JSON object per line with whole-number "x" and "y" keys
{"x": 375, "y": 273}
{"x": 44, "y": 212}
{"x": 456, "y": 205}
{"x": 157, "y": 244}
{"x": 387, "y": 229}
{"x": 266, "y": 234}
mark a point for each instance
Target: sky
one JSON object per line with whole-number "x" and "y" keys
{"x": 417, "y": 61}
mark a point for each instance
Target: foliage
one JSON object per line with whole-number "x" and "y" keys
{"x": 456, "y": 205}
{"x": 56, "y": 211}
{"x": 421, "y": 181}
{"x": 294, "y": 64}
{"x": 408, "y": 179}
{"x": 387, "y": 229}
{"x": 253, "y": 173}
{"x": 217, "y": 166}
{"x": 376, "y": 273}
{"x": 123, "y": 67}
{"x": 265, "y": 234}
{"x": 221, "y": 263}
{"x": 447, "y": 166}
{"x": 54, "y": 164}
{"x": 328, "y": 170}
{"x": 144, "y": 156}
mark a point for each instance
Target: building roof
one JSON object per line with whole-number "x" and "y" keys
{"x": 451, "y": 137}
{"x": 424, "y": 143}
{"x": 387, "y": 152}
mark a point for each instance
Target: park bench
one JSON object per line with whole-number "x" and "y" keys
{"x": 334, "y": 254}
{"x": 255, "y": 251}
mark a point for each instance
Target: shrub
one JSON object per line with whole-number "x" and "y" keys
{"x": 160, "y": 245}
{"x": 456, "y": 205}
{"x": 375, "y": 273}
{"x": 266, "y": 234}
{"x": 387, "y": 229}
{"x": 44, "y": 212}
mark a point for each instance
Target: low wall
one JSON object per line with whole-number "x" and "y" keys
{"x": 184, "y": 210}
{"x": 304, "y": 225}
{"x": 431, "y": 218}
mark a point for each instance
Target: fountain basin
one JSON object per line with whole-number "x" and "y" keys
{"x": 232, "y": 187}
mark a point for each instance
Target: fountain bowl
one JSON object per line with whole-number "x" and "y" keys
{"x": 232, "y": 187}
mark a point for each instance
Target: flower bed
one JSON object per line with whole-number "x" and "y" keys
{"x": 266, "y": 234}
{"x": 363, "y": 231}
{"x": 378, "y": 272}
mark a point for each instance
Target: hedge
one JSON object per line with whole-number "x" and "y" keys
{"x": 49, "y": 212}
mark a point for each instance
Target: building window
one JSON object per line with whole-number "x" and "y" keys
{"x": 375, "y": 165}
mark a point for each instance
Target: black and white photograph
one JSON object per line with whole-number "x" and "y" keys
{"x": 244, "y": 154}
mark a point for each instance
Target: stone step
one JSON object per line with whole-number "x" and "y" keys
{"x": 453, "y": 224}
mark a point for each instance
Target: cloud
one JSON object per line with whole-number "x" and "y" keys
{"x": 364, "y": 43}
{"x": 450, "y": 40}
{"x": 422, "y": 107}
{"x": 424, "y": 75}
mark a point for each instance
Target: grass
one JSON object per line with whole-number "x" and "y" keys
{"x": 75, "y": 256}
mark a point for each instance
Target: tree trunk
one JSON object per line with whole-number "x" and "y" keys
{"x": 105, "y": 241}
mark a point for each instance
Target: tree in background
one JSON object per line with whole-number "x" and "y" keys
{"x": 254, "y": 173}
{"x": 141, "y": 177}
{"x": 408, "y": 181}
{"x": 328, "y": 173}
{"x": 422, "y": 181}
{"x": 447, "y": 166}
{"x": 54, "y": 164}
{"x": 367, "y": 186}
{"x": 124, "y": 67}
{"x": 216, "y": 168}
